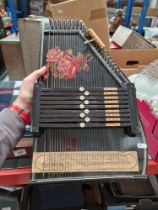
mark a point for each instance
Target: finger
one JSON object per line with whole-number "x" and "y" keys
{"x": 45, "y": 75}
{"x": 41, "y": 72}
{"x": 37, "y": 73}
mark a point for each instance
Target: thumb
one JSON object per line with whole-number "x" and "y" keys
{"x": 40, "y": 72}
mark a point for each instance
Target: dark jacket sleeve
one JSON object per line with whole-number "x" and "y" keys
{"x": 11, "y": 130}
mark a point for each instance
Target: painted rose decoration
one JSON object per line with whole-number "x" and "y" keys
{"x": 65, "y": 65}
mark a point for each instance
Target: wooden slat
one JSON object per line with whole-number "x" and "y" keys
{"x": 86, "y": 125}
{"x": 77, "y": 115}
{"x": 74, "y": 97}
{"x": 77, "y": 107}
{"x": 78, "y": 119}
{"x": 110, "y": 93}
{"x": 107, "y": 111}
{"x": 79, "y": 90}
{"x": 75, "y": 102}
{"x": 102, "y": 161}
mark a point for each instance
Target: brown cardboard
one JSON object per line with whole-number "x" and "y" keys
{"x": 152, "y": 12}
{"x": 92, "y": 12}
{"x": 30, "y": 31}
{"x": 129, "y": 39}
{"x": 129, "y": 72}
{"x": 12, "y": 54}
{"x": 129, "y": 59}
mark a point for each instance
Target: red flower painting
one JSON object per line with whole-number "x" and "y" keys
{"x": 65, "y": 65}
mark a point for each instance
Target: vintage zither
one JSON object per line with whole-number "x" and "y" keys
{"x": 85, "y": 117}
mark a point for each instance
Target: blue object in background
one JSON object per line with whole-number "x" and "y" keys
{"x": 119, "y": 4}
{"x": 23, "y": 11}
{"x": 24, "y": 8}
{"x": 143, "y": 16}
{"x": 128, "y": 13}
{"x": 12, "y": 10}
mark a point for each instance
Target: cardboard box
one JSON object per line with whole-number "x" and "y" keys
{"x": 12, "y": 54}
{"x": 152, "y": 12}
{"x": 129, "y": 72}
{"x": 92, "y": 12}
{"x": 129, "y": 39}
{"x": 30, "y": 30}
{"x": 148, "y": 118}
{"x": 129, "y": 59}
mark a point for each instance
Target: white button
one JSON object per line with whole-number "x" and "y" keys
{"x": 82, "y": 98}
{"x": 86, "y": 93}
{"x": 86, "y": 111}
{"x": 82, "y": 115}
{"x": 82, "y": 106}
{"x": 87, "y": 119}
{"x": 86, "y": 102}
{"x": 81, "y": 89}
{"x": 82, "y": 125}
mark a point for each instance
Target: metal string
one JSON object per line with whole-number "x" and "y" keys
{"x": 50, "y": 75}
{"x": 56, "y": 81}
{"x": 45, "y": 132}
{"x": 77, "y": 84}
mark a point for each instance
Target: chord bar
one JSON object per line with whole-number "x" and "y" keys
{"x": 97, "y": 112}
{"x": 95, "y": 93}
{"x": 85, "y": 102}
{"x": 75, "y": 107}
{"x": 78, "y": 114}
{"x": 80, "y": 97}
{"x": 81, "y": 90}
{"x": 67, "y": 120}
{"x": 87, "y": 125}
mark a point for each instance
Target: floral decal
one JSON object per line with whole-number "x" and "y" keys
{"x": 65, "y": 65}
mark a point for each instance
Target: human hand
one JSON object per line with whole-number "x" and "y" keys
{"x": 24, "y": 99}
